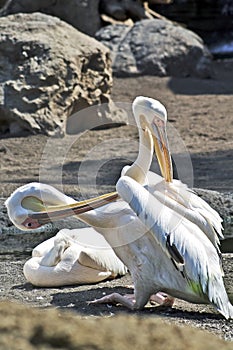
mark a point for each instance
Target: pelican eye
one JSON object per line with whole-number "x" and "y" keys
{"x": 31, "y": 223}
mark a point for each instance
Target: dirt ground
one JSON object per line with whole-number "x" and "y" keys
{"x": 199, "y": 110}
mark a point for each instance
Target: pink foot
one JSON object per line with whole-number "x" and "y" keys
{"x": 127, "y": 300}
{"x": 162, "y": 299}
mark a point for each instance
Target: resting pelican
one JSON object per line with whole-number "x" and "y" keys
{"x": 180, "y": 257}
{"x": 71, "y": 257}
{"x": 75, "y": 256}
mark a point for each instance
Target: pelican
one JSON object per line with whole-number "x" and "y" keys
{"x": 165, "y": 235}
{"x": 77, "y": 256}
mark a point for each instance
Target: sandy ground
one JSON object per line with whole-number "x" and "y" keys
{"x": 31, "y": 329}
{"x": 199, "y": 110}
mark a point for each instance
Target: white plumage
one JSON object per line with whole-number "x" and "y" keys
{"x": 77, "y": 256}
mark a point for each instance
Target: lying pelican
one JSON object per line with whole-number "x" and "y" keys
{"x": 72, "y": 256}
{"x": 163, "y": 250}
{"x": 75, "y": 256}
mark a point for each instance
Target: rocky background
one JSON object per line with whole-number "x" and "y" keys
{"x": 52, "y": 68}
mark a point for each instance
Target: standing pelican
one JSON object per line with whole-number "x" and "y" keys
{"x": 179, "y": 259}
{"x": 181, "y": 247}
{"x": 163, "y": 249}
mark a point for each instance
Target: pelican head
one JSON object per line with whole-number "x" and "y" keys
{"x": 149, "y": 107}
{"x": 30, "y": 198}
{"x": 152, "y": 114}
{"x": 35, "y": 204}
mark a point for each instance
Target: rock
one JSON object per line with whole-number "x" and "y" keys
{"x": 122, "y": 10}
{"x": 49, "y": 71}
{"x": 155, "y": 47}
{"x": 27, "y": 328}
{"x": 223, "y": 204}
{"x": 81, "y": 14}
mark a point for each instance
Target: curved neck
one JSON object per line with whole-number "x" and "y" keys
{"x": 107, "y": 217}
{"x": 139, "y": 169}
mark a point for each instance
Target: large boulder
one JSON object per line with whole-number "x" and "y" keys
{"x": 83, "y": 15}
{"x": 49, "y": 71}
{"x": 155, "y": 47}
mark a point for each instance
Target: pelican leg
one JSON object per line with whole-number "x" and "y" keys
{"x": 127, "y": 300}
{"x": 162, "y": 299}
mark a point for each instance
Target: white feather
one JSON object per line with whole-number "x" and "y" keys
{"x": 59, "y": 261}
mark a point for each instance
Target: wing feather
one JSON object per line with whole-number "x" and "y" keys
{"x": 178, "y": 197}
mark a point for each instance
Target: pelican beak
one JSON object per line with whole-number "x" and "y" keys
{"x": 45, "y": 214}
{"x": 158, "y": 130}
